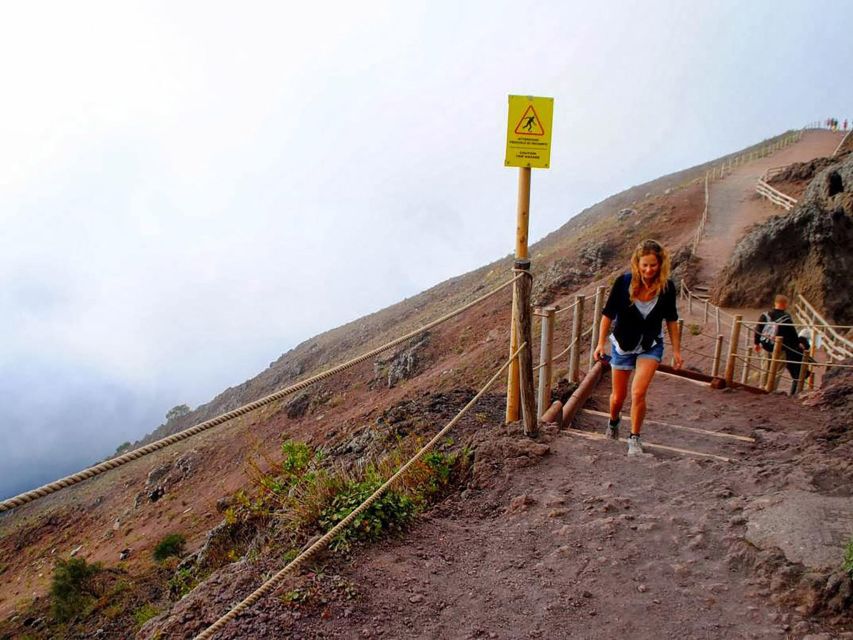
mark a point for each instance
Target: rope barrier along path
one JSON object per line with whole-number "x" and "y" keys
{"x": 273, "y": 582}
{"x": 108, "y": 465}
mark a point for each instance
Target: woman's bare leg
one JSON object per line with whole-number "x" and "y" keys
{"x": 619, "y": 391}
{"x": 645, "y": 371}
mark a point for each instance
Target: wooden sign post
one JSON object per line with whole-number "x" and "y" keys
{"x": 528, "y": 146}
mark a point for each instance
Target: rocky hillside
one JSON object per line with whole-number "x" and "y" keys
{"x": 809, "y": 249}
{"x": 200, "y": 487}
{"x": 601, "y": 236}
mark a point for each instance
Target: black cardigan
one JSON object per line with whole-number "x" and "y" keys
{"x": 630, "y": 328}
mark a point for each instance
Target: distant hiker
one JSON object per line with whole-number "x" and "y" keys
{"x": 845, "y": 124}
{"x": 638, "y": 303}
{"x": 778, "y": 322}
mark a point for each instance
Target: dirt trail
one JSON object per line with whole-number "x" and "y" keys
{"x": 734, "y": 205}
{"x": 586, "y": 543}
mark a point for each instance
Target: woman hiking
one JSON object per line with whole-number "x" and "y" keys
{"x": 638, "y": 303}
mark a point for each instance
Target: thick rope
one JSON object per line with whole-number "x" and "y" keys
{"x": 564, "y": 309}
{"x": 273, "y": 582}
{"x": 810, "y": 325}
{"x": 108, "y": 465}
{"x": 837, "y": 365}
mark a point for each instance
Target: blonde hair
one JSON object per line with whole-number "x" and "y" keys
{"x": 661, "y": 281}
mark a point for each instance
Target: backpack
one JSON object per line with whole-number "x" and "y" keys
{"x": 771, "y": 329}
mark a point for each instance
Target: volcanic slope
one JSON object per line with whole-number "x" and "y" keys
{"x": 650, "y": 544}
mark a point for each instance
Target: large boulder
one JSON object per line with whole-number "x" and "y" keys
{"x": 809, "y": 250}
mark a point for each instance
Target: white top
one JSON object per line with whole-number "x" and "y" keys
{"x": 645, "y": 308}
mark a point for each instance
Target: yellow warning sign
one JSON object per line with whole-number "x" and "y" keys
{"x": 528, "y": 134}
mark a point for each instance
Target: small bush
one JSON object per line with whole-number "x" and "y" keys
{"x": 144, "y": 614}
{"x": 694, "y": 329}
{"x": 171, "y": 545}
{"x": 848, "y": 558}
{"x": 182, "y": 583}
{"x": 391, "y": 512}
{"x": 73, "y": 588}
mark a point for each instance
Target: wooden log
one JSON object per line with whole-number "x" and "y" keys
{"x": 747, "y": 349}
{"x": 554, "y": 414}
{"x": 521, "y": 252}
{"x": 596, "y": 324}
{"x": 804, "y": 365}
{"x": 575, "y": 350}
{"x": 523, "y": 287}
{"x": 546, "y": 351}
{"x": 582, "y": 393}
{"x": 774, "y": 366}
{"x": 718, "y": 350}
{"x": 812, "y": 349}
{"x": 730, "y": 365}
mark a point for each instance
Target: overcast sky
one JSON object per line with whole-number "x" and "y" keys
{"x": 189, "y": 189}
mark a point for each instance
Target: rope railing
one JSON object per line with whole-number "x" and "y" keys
{"x": 566, "y": 350}
{"x": 837, "y": 365}
{"x": 564, "y": 309}
{"x": 108, "y": 465}
{"x": 330, "y": 535}
{"x": 800, "y": 324}
{"x": 805, "y": 309}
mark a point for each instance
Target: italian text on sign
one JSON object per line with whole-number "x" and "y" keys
{"x": 528, "y": 133}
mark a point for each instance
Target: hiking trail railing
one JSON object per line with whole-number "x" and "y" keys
{"x": 727, "y": 165}
{"x": 114, "y": 463}
{"x": 760, "y": 370}
{"x": 775, "y": 196}
{"x": 836, "y": 346}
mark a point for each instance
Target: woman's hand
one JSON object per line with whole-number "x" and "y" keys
{"x": 679, "y": 361}
{"x": 599, "y": 353}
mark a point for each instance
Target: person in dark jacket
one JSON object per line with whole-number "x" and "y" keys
{"x": 778, "y": 322}
{"x": 639, "y": 302}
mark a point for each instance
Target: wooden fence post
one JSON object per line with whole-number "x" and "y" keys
{"x": 774, "y": 366}
{"x": 527, "y": 392}
{"x": 718, "y": 351}
{"x": 705, "y": 317}
{"x": 717, "y": 318}
{"x": 744, "y": 374}
{"x": 730, "y": 365}
{"x": 546, "y": 350}
{"x": 812, "y": 350}
{"x": 690, "y": 303}
{"x": 575, "y": 347}
{"x": 747, "y": 349}
{"x": 596, "y": 320}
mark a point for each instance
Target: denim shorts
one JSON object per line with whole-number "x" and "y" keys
{"x": 629, "y": 361}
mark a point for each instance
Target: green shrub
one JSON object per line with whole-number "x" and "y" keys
{"x": 391, "y": 512}
{"x": 73, "y": 588}
{"x": 297, "y": 455}
{"x": 694, "y": 329}
{"x": 171, "y": 545}
{"x": 182, "y": 583}
{"x": 848, "y": 557}
{"x": 144, "y": 614}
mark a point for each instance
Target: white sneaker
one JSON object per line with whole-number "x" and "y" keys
{"x": 635, "y": 445}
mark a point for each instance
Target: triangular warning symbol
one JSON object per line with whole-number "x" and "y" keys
{"x": 530, "y": 125}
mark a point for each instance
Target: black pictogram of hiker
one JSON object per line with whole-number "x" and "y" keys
{"x": 528, "y": 123}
